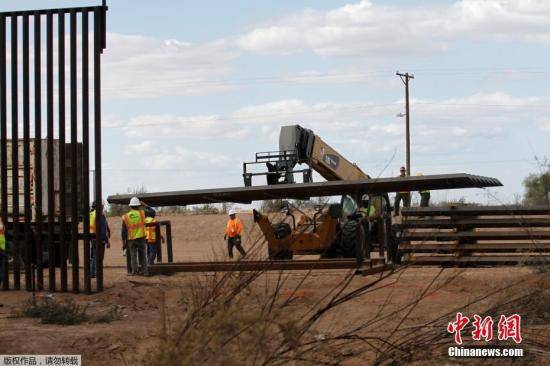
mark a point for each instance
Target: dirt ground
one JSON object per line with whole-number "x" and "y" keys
{"x": 137, "y": 334}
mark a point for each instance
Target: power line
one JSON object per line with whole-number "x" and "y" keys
{"x": 446, "y": 163}
{"x": 321, "y": 77}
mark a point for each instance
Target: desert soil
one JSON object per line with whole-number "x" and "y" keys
{"x": 126, "y": 341}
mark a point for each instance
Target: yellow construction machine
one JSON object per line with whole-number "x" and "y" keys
{"x": 346, "y": 229}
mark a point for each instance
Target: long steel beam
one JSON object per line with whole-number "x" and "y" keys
{"x": 300, "y": 265}
{"x": 481, "y": 260}
{"x": 522, "y": 222}
{"x": 306, "y": 190}
{"x": 476, "y": 211}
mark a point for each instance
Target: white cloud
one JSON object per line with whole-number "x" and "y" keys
{"x": 159, "y": 156}
{"x": 486, "y": 115}
{"x": 450, "y": 126}
{"x": 143, "y": 67}
{"x": 142, "y": 147}
{"x": 369, "y": 28}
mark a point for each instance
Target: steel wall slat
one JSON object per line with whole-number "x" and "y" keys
{"x": 62, "y": 157}
{"x": 38, "y": 150}
{"x": 26, "y": 153}
{"x": 74, "y": 144}
{"x": 50, "y": 152}
{"x": 98, "y": 49}
{"x": 15, "y": 152}
{"x": 3, "y": 142}
{"x": 85, "y": 153}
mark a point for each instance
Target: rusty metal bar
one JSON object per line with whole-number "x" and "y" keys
{"x": 516, "y": 222}
{"x": 38, "y": 151}
{"x": 62, "y": 157}
{"x": 481, "y": 260}
{"x": 50, "y": 152}
{"x": 15, "y": 154}
{"x": 476, "y": 211}
{"x": 98, "y": 49}
{"x": 85, "y": 172}
{"x": 53, "y": 11}
{"x": 74, "y": 152}
{"x": 27, "y": 154}
{"x": 298, "y": 265}
{"x": 477, "y": 247}
{"x": 477, "y": 235}
{"x": 158, "y": 242}
{"x": 3, "y": 145}
{"x": 169, "y": 250}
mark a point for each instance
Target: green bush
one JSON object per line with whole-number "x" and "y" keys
{"x": 66, "y": 313}
{"x": 52, "y": 312}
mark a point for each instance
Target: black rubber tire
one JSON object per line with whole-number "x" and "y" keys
{"x": 349, "y": 239}
{"x": 281, "y": 231}
{"x": 330, "y": 252}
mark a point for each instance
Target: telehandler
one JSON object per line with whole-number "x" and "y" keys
{"x": 339, "y": 230}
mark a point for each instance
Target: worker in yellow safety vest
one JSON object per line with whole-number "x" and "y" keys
{"x": 151, "y": 236}
{"x": 233, "y": 231}
{"x": 401, "y": 196}
{"x": 133, "y": 234}
{"x": 369, "y": 217}
{"x": 2, "y": 249}
{"x": 103, "y": 238}
{"x": 424, "y": 195}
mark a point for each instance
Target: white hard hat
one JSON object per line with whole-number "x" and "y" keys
{"x": 134, "y": 202}
{"x": 231, "y": 211}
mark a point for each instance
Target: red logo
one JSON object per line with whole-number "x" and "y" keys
{"x": 482, "y": 329}
{"x": 457, "y": 326}
{"x": 509, "y": 327}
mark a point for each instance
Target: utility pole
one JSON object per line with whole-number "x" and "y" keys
{"x": 405, "y": 79}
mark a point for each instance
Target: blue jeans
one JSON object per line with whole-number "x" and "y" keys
{"x": 138, "y": 249}
{"x": 152, "y": 250}
{"x": 93, "y": 258}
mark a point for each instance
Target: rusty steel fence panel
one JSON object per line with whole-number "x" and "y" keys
{"x": 45, "y": 146}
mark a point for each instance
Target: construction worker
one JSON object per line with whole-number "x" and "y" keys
{"x": 133, "y": 234}
{"x": 151, "y": 236}
{"x": 103, "y": 236}
{"x": 369, "y": 219}
{"x": 367, "y": 210}
{"x": 233, "y": 232}
{"x": 2, "y": 249}
{"x": 424, "y": 195}
{"x": 401, "y": 196}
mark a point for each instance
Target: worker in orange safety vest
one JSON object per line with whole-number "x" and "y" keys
{"x": 233, "y": 231}
{"x": 151, "y": 236}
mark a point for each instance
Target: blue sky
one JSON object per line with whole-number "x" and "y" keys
{"x": 193, "y": 89}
